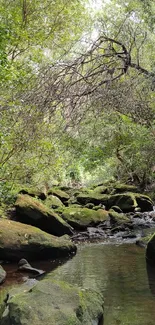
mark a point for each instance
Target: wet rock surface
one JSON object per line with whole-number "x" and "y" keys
{"x": 24, "y": 266}
{"x": 51, "y": 302}
{"x": 130, "y": 227}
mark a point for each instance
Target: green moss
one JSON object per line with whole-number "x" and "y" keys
{"x": 101, "y": 189}
{"x": 34, "y": 212}
{"x": 118, "y": 218}
{"x": 126, "y": 201}
{"x": 52, "y": 302}
{"x": 59, "y": 193}
{"x": 121, "y": 188}
{"x": 18, "y": 240}
{"x": 93, "y": 197}
{"x": 84, "y": 217}
{"x": 53, "y": 201}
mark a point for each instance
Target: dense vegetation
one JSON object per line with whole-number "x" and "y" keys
{"x": 77, "y": 81}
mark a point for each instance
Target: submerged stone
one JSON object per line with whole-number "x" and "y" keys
{"x": 53, "y": 302}
{"x": 24, "y": 266}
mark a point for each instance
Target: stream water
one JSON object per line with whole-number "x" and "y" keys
{"x": 121, "y": 273}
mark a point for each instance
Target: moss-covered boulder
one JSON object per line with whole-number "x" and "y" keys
{"x": 101, "y": 189}
{"x": 53, "y": 202}
{"x": 32, "y": 211}
{"x": 33, "y": 192}
{"x": 23, "y": 241}
{"x": 51, "y": 302}
{"x": 144, "y": 202}
{"x": 81, "y": 218}
{"x": 117, "y": 218}
{"x": 114, "y": 188}
{"x": 62, "y": 195}
{"x": 127, "y": 202}
{"x": 2, "y": 275}
{"x": 92, "y": 197}
{"x": 121, "y": 188}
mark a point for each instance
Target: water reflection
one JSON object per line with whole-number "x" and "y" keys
{"x": 120, "y": 273}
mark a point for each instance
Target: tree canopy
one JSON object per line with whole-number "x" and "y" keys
{"x": 77, "y": 91}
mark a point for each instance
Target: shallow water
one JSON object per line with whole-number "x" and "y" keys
{"x": 120, "y": 272}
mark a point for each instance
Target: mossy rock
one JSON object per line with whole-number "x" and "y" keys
{"x": 62, "y": 195}
{"x": 53, "y": 302}
{"x": 143, "y": 241}
{"x": 89, "y": 205}
{"x": 81, "y": 218}
{"x": 53, "y": 202}
{"x": 127, "y": 202}
{"x": 97, "y": 207}
{"x": 92, "y": 197}
{"x": 121, "y": 188}
{"x": 32, "y": 211}
{"x": 117, "y": 219}
{"x": 40, "y": 194}
{"x": 101, "y": 189}
{"x": 144, "y": 202}
{"x": 18, "y": 241}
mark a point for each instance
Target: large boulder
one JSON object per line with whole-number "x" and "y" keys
{"x": 62, "y": 195}
{"x": 114, "y": 188}
{"x": 40, "y": 194}
{"x": 2, "y": 275}
{"x": 53, "y": 302}
{"x": 117, "y": 218}
{"x": 144, "y": 202}
{"x": 92, "y": 197}
{"x": 81, "y": 218}
{"x": 53, "y": 202}
{"x": 32, "y": 211}
{"x": 129, "y": 201}
{"x": 23, "y": 241}
{"x": 122, "y": 188}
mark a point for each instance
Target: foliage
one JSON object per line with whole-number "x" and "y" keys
{"x": 76, "y": 105}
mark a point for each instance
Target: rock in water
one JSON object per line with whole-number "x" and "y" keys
{"x": 53, "y": 302}
{"x": 23, "y": 265}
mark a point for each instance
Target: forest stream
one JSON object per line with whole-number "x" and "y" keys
{"x": 119, "y": 270}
